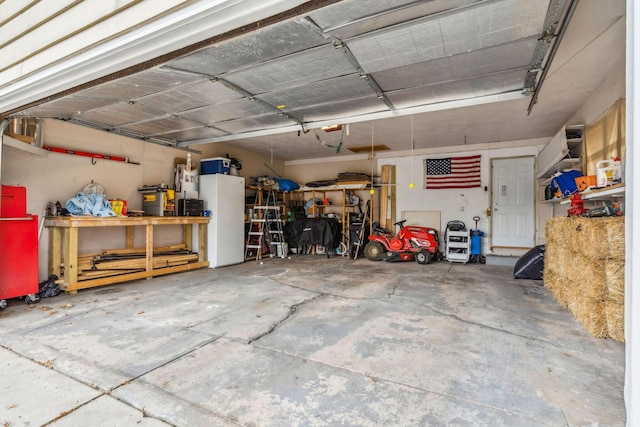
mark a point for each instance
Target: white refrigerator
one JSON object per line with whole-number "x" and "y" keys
{"x": 223, "y": 195}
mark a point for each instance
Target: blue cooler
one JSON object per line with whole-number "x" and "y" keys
{"x": 215, "y": 165}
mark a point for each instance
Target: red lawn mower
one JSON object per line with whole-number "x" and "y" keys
{"x": 411, "y": 243}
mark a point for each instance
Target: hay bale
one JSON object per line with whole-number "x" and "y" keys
{"x": 615, "y": 237}
{"x": 588, "y": 237}
{"x": 590, "y": 280}
{"x": 615, "y": 320}
{"x": 555, "y": 283}
{"x": 614, "y": 272}
{"x": 555, "y": 225}
{"x": 557, "y": 255}
{"x": 584, "y": 271}
{"x": 592, "y": 315}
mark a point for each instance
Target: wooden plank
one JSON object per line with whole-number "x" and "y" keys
{"x": 392, "y": 191}
{"x": 103, "y": 273}
{"x": 388, "y": 197}
{"x": 71, "y": 287}
{"x": 120, "y": 221}
{"x": 157, "y": 262}
{"x": 142, "y": 250}
{"x": 84, "y": 265}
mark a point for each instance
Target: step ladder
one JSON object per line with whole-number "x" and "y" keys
{"x": 266, "y": 229}
{"x": 361, "y": 232}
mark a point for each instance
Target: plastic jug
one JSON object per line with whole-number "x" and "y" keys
{"x": 604, "y": 173}
{"x": 617, "y": 169}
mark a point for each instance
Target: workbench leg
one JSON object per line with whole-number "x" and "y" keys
{"x": 55, "y": 250}
{"x": 70, "y": 255}
{"x": 129, "y": 229}
{"x": 202, "y": 242}
{"x": 149, "y": 248}
{"x": 187, "y": 232}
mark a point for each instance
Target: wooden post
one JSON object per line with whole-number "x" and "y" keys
{"x": 55, "y": 250}
{"x": 202, "y": 242}
{"x": 388, "y": 197}
{"x": 187, "y": 232}
{"x": 129, "y": 236}
{"x": 71, "y": 255}
{"x": 149, "y": 239}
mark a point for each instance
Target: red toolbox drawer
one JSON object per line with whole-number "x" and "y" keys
{"x": 14, "y": 202}
{"x": 18, "y": 256}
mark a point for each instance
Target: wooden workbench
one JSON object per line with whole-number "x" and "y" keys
{"x": 63, "y": 246}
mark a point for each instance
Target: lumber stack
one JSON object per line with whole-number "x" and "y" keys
{"x": 584, "y": 269}
{"x": 114, "y": 262}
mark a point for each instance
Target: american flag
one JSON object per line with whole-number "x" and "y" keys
{"x": 453, "y": 172}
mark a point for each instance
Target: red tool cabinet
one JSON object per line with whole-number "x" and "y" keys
{"x": 18, "y": 247}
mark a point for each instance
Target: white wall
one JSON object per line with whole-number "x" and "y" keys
{"x": 461, "y": 204}
{"x": 58, "y": 177}
{"x": 304, "y": 171}
{"x": 602, "y": 98}
{"x": 253, "y": 164}
{"x": 454, "y": 204}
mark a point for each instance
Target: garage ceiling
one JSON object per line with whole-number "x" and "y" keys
{"x": 450, "y": 71}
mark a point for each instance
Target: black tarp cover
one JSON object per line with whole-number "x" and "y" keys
{"x": 313, "y": 231}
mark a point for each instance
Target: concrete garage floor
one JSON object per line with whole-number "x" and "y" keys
{"x": 309, "y": 341}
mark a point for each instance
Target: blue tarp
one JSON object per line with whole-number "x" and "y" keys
{"x": 89, "y": 204}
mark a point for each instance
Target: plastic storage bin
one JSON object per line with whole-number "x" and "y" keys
{"x": 215, "y": 165}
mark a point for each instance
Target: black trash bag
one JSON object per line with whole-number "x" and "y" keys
{"x": 49, "y": 288}
{"x": 530, "y": 265}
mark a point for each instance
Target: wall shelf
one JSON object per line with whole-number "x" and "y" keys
{"x": 9, "y": 141}
{"x": 606, "y": 193}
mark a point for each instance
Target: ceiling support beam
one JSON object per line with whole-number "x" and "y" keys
{"x": 508, "y": 96}
{"x": 552, "y": 54}
{"x": 252, "y": 97}
{"x": 236, "y": 88}
{"x": 548, "y": 34}
{"x": 369, "y": 79}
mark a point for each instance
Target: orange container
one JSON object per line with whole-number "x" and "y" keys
{"x": 584, "y": 182}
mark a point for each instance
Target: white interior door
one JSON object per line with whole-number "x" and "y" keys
{"x": 513, "y": 202}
